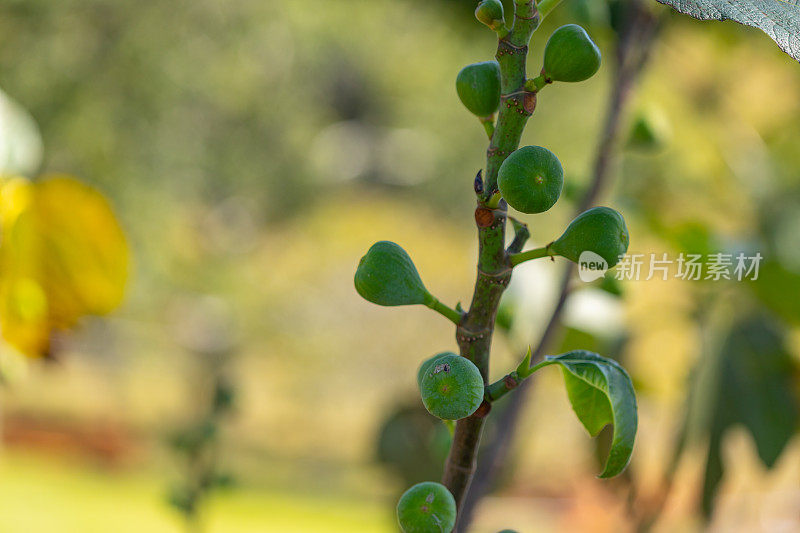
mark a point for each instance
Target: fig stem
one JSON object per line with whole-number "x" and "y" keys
{"x": 502, "y": 386}
{"x": 514, "y": 379}
{"x": 527, "y": 255}
{"x": 521, "y": 236}
{"x": 536, "y": 84}
{"x": 447, "y": 312}
{"x": 474, "y": 334}
{"x": 488, "y": 125}
{"x": 511, "y": 55}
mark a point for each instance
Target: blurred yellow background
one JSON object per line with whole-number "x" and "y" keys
{"x": 253, "y": 151}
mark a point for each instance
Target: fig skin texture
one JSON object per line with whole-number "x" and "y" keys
{"x": 478, "y": 88}
{"x": 490, "y": 12}
{"x": 452, "y": 388}
{"x": 387, "y": 276}
{"x": 531, "y": 179}
{"x": 427, "y": 507}
{"x": 601, "y": 230}
{"x": 570, "y": 55}
{"x": 426, "y": 365}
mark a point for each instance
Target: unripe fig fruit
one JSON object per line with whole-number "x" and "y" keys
{"x": 531, "y": 179}
{"x": 478, "y": 87}
{"x": 452, "y": 387}
{"x": 490, "y": 12}
{"x": 570, "y": 55}
{"x": 427, "y": 507}
{"x": 426, "y": 365}
{"x": 387, "y": 276}
{"x": 600, "y": 230}
{"x": 650, "y": 131}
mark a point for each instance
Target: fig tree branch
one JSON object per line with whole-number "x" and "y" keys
{"x": 633, "y": 49}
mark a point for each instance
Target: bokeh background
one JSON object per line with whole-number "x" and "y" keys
{"x": 252, "y": 151}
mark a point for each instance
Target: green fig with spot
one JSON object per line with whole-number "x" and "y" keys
{"x": 426, "y": 365}
{"x": 570, "y": 55}
{"x": 531, "y": 179}
{"x": 600, "y": 230}
{"x": 490, "y": 12}
{"x": 452, "y": 387}
{"x": 478, "y": 88}
{"x": 427, "y": 507}
{"x": 387, "y": 276}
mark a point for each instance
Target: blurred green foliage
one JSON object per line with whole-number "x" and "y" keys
{"x": 749, "y": 379}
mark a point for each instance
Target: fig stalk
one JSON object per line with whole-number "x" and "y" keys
{"x": 474, "y": 334}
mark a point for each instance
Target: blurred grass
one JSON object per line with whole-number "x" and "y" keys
{"x": 47, "y": 494}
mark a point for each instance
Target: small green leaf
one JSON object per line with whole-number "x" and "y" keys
{"x": 524, "y": 368}
{"x": 589, "y": 403}
{"x": 601, "y": 393}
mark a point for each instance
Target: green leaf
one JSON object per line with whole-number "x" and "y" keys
{"x": 780, "y": 19}
{"x": 774, "y": 282}
{"x": 748, "y": 380}
{"x": 601, "y": 393}
{"x": 589, "y": 403}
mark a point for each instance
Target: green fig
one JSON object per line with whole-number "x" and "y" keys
{"x": 570, "y": 55}
{"x": 427, "y": 507}
{"x": 490, "y": 12}
{"x": 530, "y": 179}
{"x": 452, "y": 387}
{"x": 478, "y": 87}
{"x": 600, "y": 230}
{"x": 387, "y": 276}
{"x": 650, "y": 131}
{"x": 426, "y": 364}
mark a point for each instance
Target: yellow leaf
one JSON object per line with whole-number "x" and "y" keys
{"x": 63, "y": 255}
{"x": 85, "y": 259}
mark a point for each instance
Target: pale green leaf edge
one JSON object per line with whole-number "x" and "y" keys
{"x": 617, "y": 379}
{"x": 780, "y": 19}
